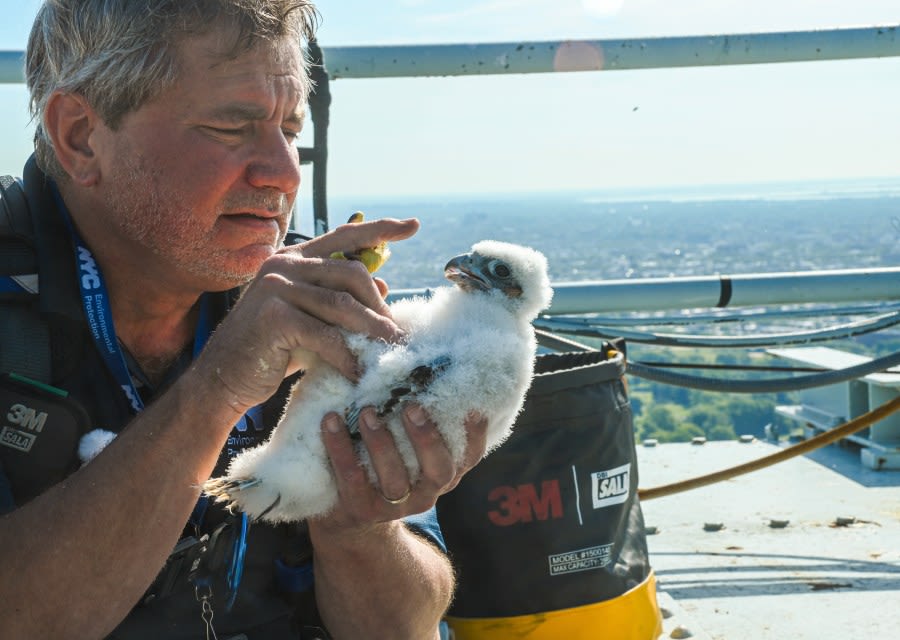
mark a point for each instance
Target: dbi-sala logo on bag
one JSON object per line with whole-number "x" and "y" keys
{"x": 610, "y": 487}
{"x": 27, "y": 418}
{"x": 525, "y": 503}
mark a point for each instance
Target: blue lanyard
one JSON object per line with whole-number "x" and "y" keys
{"x": 95, "y": 300}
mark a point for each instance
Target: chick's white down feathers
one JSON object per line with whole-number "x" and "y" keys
{"x": 479, "y": 340}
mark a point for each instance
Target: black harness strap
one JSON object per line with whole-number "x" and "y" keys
{"x": 24, "y": 335}
{"x": 16, "y": 232}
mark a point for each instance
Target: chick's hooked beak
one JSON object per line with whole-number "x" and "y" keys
{"x": 476, "y": 272}
{"x": 464, "y": 273}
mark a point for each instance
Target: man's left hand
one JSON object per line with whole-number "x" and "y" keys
{"x": 397, "y": 495}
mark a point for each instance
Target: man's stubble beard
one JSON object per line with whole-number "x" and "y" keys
{"x": 156, "y": 218}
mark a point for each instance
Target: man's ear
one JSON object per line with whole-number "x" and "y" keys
{"x": 69, "y": 121}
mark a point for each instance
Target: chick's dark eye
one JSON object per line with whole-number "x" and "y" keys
{"x": 500, "y": 270}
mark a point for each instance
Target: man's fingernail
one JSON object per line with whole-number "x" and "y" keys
{"x": 417, "y": 415}
{"x": 369, "y": 421}
{"x": 332, "y": 424}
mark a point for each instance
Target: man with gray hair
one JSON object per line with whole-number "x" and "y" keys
{"x": 159, "y": 196}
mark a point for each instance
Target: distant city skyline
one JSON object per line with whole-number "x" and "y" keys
{"x": 588, "y": 130}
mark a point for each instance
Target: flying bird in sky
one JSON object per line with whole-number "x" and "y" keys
{"x": 468, "y": 347}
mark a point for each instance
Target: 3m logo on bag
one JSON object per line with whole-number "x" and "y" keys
{"x": 610, "y": 487}
{"x": 525, "y": 503}
{"x": 27, "y": 418}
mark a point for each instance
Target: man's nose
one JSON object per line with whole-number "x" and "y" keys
{"x": 276, "y": 164}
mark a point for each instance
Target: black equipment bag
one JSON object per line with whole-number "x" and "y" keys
{"x": 550, "y": 521}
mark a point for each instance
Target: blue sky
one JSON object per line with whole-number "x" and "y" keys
{"x": 593, "y": 130}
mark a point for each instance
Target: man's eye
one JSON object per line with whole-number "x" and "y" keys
{"x": 290, "y": 135}
{"x": 226, "y": 131}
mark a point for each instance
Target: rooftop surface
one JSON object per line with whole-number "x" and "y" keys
{"x": 811, "y": 579}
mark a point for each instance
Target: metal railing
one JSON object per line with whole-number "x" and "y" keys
{"x": 655, "y": 294}
{"x": 405, "y": 61}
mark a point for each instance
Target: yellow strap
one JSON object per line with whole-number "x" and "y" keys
{"x": 632, "y": 616}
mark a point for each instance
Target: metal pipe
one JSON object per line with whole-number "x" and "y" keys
{"x": 608, "y": 55}
{"x": 654, "y": 294}
{"x": 658, "y": 294}
{"x": 394, "y": 61}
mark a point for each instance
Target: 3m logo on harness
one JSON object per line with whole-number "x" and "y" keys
{"x": 610, "y": 487}
{"x": 523, "y": 504}
{"x": 27, "y": 418}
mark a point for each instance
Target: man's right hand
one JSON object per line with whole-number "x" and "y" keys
{"x": 298, "y": 304}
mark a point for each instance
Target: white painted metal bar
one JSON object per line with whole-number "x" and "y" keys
{"x": 613, "y": 54}
{"x": 658, "y": 294}
{"x": 391, "y": 61}
{"x": 849, "y": 285}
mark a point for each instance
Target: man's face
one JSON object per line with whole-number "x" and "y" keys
{"x": 200, "y": 181}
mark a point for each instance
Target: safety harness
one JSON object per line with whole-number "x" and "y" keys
{"x": 40, "y": 427}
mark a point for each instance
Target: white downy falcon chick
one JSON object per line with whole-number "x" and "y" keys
{"x": 469, "y": 347}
